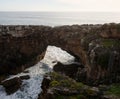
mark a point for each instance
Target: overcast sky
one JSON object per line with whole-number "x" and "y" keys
{"x": 60, "y": 5}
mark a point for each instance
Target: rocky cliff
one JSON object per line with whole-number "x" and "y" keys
{"x": 96, "y": 47}
{"x": 58, "y": 86}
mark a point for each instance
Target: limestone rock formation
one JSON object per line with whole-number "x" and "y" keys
{"x": 96, "y": 47}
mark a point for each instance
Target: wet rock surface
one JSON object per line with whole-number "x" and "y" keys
{"x": 25, "y": 77}
{"x": 12, "y": 85}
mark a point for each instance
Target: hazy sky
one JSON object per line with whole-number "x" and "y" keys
{"x": 60, "y": 5}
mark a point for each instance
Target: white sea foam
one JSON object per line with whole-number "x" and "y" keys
{"x": 55, "y": 54}
{"x": 32, "y": 87}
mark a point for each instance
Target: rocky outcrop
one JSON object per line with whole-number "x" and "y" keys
{"x": 45, "y": 86}
{"x": 110, "y": 31}
{"x": 69, "y": 70}
{"x": 12, "y": 85}
{"x": 20, "y": 52}
{"x": 57, "y": 86}
{"x": 96, "y": 47}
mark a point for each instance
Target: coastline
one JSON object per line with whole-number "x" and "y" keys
{"x": 96, "y": 47}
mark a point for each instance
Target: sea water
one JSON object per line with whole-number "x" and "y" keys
{"x": 58, "y": 18}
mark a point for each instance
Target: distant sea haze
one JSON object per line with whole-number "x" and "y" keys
{"x": 58, "y": 18}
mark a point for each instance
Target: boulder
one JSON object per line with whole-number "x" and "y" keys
{"x": 12, "y": 85}
{"x": 46, "y": 94}
{"x": 69, "y": 70}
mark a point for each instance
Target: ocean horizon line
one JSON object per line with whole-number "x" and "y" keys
{"x": 68, "y": 11}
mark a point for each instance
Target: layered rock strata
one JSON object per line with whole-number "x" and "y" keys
{"x": 96, "y": 47}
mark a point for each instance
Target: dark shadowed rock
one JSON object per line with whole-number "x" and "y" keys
{"x": 12, "y": 85}
{"x": 69, "y": 70}
{"x": 46, "y": 82}
{"x": 25, "y": 77}
{"x": 45, "y": 86}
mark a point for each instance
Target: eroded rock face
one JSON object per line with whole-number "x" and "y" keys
{"x": 20, "y": 52}
{"x": 96, "y": 47}
{"x": 105, "y": 63}
{"x": 110, "y": 31}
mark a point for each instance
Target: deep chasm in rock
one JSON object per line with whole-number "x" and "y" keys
{"x": 96, "y": 49}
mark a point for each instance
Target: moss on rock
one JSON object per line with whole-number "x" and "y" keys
{"x": 114, "y": 90}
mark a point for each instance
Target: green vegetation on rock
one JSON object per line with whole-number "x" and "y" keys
{"x": 54, "y": 83}
{"x": 114, "y": 90}
{"x": 64, "y": 87}
{"x": 103, "y": 59}
{"x": 110, "y": 43}
{"x": 64, "y": 81}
